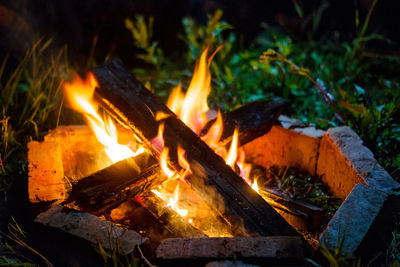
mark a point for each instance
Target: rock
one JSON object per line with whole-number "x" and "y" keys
{"x": 344, "y": 162}
{"x": 310, "y": 131}
{"x": 91, "y": 228}
{"x": 365, "y": 212}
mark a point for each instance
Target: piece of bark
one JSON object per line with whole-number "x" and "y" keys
{"x": 127, "y": 100}
{"x": 280, "y": 247}
{"x": 252, "y": 121}
{"x": 109, "y": 187}
{"x": 91, "y": 228}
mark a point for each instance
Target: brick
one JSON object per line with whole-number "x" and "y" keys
{"x": 284, "y": 147}
{"x": 91, "y": 228}
{"x": 46, "y": 175}
{"x": 344, "y": 162}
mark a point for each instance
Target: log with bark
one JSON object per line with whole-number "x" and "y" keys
{"x": 252, "y": 121}
{"x": 109, "y": 187}
{"x": 128, "y": 101}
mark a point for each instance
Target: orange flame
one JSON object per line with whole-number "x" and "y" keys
{"x": 158, "y": 141}
{"x": 183, "y": 162}
{"x": 192, "y": 107}
{"x": 232, "y": 155}
{"x": 164, "y": 163}
{"x": 172, "y": 200}
{"x": 79, "y": 94}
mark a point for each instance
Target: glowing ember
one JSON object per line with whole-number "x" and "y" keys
{"x": 79, "y": 94}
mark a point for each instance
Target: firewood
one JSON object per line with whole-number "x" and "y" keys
{"x": 278, "y": 247}
{"x": 109, "y": 187}
{"x": 252, "y": 121}
{"x": 128, "y": 101}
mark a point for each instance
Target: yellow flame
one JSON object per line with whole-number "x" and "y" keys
{"x": 192, "y": 107}
{"x": 232, "y": 155}
{"x": 172, "y": 200}
{"x": 79, "y": 94}
{"x": 255, "y": 186}
{"x": 163, "y": 162}
{"x": 183, "y": 162}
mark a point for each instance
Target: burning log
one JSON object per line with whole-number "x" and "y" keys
{"x": 128, "y": 101}
{"x": 252, "y": 121}
{"x": 109, "y": 187}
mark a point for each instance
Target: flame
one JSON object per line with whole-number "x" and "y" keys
{"x": 183, "y": 162}
{"x": 255, "y": 187}
{"x": 233, "y": 150}
{"x": 163, "y": 162}
{"x": 192, "y": 107}
{"x": 172, "y": 200}
{"x": 79, "y": 94}
{"x": 173, "y": 203}
{"x": 214, "y": 133}
{"x": 158, "y": 141}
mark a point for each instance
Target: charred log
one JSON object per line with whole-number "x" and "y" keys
{"x": 124, "y": 97}
{"x": 109, "y": 187}
{"x": 252, "y": 121}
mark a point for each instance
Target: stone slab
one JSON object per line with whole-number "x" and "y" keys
{"x": 355, "y": 218}
{"x": 46, "y": 174}
{"x": 278, "y": 247}
{"x": 344, "y": 162}
{"x": 284, "y": 147}
{"x": 91, "y": 228}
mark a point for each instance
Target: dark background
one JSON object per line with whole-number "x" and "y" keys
{"x": 78, "y": 23}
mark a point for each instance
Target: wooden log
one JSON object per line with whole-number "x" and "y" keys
{"x": 109, "y": 187}
{"x": 252, "y": 121}
{"x": 127, "y": 100}
{"x": 279, "y": 247}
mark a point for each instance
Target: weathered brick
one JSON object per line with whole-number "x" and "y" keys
{"x": 344, "y": 162}
{"x": 284, "y": 147}
{"x": 46, "y": 175}
{"x": 91, "y": 228}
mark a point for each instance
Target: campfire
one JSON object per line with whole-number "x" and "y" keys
{"x": 180, "y": 170}
{"x": 180, "y": 179}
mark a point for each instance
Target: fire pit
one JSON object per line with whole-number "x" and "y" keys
{"x": 197, "y": 190}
